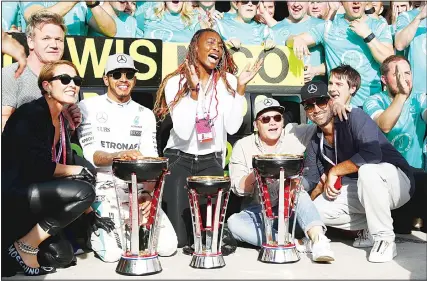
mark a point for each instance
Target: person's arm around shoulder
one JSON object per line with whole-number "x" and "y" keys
{"x": 60, "y": 8}
{"x": 242, "y": 178}
{"x": 13, "y": 48}
{"x": 101, "y": 21}
{"x": 406, "y": 30}
{"x": 301, "y": 42}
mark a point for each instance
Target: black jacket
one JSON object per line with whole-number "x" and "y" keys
{"x": 27, "y": 147}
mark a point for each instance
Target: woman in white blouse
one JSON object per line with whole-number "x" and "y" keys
{"x": 205, "y": 101}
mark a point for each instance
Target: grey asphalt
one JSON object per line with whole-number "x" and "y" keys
{"x": 350, "y": 263}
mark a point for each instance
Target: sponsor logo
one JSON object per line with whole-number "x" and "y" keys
{"x": 136, "y": 120}
{"x": 102, "y": 117}
{"x": 86, "y": 140}
{"x": 85, "y": 134}
{"x": 103, "y": 129}
{"x": 312, "y": 89}
{"x": 352, "y": 58}
{"x": 163, "y": 34}
{"x": 121, "y": 59}
{"x": 120, "y": 146}
{"x": 268, "y": 102}
{"x": 135, "y": 133}
{"x": 402, "y": 142}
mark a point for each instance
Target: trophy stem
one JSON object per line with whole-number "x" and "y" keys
{"x": 134, "y": 245}
{"x": 282, "y": 224}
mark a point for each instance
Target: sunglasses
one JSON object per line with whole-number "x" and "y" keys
{"x": 118, "y": 74}
{"x": 247, "y": 2}
{"x": 267, "y": 119}
{"x": 321, "y": 102}
{"x": 66, "y": 79}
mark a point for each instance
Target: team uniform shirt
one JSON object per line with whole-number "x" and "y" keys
{"x": 252, "y": 33}
{"x": 417, "y": 49}
{"x": 76, "y": 19}
{"x": 282, "y": 30}
{"x": 170, "y": 27}
{"x": 126, "y": 27}
{"x": 343, "y": 46}
{"x": 143, "y": 10}
{"x": 111, "y": 127}
{"x": 425, "y": 154}
{"x": 228, "y": 15}
{"x": 226, "y": 109}
{"x": 10, "y": 15}
{"x": 408, "y": 133}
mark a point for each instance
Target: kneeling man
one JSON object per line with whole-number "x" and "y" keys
{"x": 375, "y": 176}
{"x": 273, "y": 138}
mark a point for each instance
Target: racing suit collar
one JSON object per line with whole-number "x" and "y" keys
{"x": 116, "y": 103}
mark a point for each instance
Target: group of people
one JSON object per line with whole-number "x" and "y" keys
{"x": 366, "y": 106}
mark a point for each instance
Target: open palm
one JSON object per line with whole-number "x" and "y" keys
{"x": 248, "y": 73}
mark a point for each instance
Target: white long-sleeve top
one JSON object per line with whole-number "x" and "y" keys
{"x": 230, "y": 108}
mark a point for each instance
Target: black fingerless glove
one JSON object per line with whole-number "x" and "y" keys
{"x": 96, "y": 221}
{"x": 84, "y": 175}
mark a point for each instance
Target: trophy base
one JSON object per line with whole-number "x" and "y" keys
{"x": 278, "y": 254}
{"x": 139, "y": 265}
{"x": 207, "y": 261}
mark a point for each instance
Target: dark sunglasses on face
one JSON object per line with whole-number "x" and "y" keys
{"x": 321, "y": 102}
{"x": 66, "y": 79}
{"x": 247, "y": 2}
{"x": 266, "y": 119}
{"x": 118, "y": 74}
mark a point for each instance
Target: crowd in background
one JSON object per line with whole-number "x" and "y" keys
{"x": 371, "y": 55}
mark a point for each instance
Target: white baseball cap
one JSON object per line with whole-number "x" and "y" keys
{"x": 267, "y": 103}
{"x": 118, "y": 61}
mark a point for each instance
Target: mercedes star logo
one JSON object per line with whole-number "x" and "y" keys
{"x": 312, "y": 89}
{"x": 268, "y": 102}
{"x": 102, "y": 117}
{"x": 121, "y": 59}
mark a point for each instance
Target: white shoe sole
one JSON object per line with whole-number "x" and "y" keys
{"x": 324, "y": 259}
{"x": 382, "y": 261}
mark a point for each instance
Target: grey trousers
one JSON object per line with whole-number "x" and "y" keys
{"x": 367, "y": 202}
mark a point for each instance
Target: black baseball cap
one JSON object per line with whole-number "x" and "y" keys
{"x": 314, "y": 89}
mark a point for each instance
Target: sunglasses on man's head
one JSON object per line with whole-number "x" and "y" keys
{"x": 117, "y": 74}
{"x": 267, "y": 119}
{"x": 247, "y": 2}
{"x": 321, "y": 102}
{"x": 66, "y": 79}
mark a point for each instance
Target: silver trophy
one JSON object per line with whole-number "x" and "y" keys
{"x": 282, "y": 167}
{"x": 208, "y": 233}
{"x": 140, "y": 236}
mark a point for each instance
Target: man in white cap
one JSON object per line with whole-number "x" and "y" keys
{"x": 270, "y": 138}
{"x": 116, "y": 126}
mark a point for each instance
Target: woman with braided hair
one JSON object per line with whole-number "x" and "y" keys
{"x": 205, "y": 101}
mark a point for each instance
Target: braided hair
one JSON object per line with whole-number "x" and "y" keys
{"x": 225, "y": 64}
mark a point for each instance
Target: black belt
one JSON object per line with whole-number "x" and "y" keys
{"x": 179, "y": 153}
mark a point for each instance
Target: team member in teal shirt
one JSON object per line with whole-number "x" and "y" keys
{"x": 298, "y": 22}
{"x": 10, "y": 15}
{"x": 126, "y": 24}
{"x": 351, "y": 38}
{"x": 170, "y": 21}
{"x": 243, "y": 29}
{"x": 400, "y": 111}
{"x": 411, "y": 36}
{"x": 79, "y": 16}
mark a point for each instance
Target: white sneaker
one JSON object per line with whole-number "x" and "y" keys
{"x": 383, "y": 251}
{"x": 364, "y": 239}
{"x": 321, "y": 250}
{"x": 305, "y": 247}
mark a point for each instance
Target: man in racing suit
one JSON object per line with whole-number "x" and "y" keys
{"x": 116, "y": 126}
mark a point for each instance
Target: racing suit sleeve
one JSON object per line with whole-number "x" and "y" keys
{"x": 148, "y": 141}
{"x": 86, "y": 134}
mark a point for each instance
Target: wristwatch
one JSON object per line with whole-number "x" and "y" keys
{"x": 93, "y": 5}
{"x": 369, "y": 38}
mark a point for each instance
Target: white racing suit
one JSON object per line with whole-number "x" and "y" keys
{"x": 111, "y": 127}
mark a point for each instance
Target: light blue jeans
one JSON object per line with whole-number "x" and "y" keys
{"x": 248, "y": 225}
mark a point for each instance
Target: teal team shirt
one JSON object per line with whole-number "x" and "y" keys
{"x": 144, "y": 9}
{"x": 170, "y": 27}
{"x": 76, "y": 19}
{"x": 282, "y": 30}
{"x": 10, "y": 15}
{"x": 407, "y": 135}
{"x": 417, "y": 49}
{"x": 252, "y": 33}
{"x": 343, "y": 46}
{"x": 126, "y": 27}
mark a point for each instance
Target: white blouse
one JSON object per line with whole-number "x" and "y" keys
{"x": 183, "y": 135}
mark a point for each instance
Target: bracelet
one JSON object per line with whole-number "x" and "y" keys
{"x": 27, "y": 248}
{"x": 93, "y": 5}
{"x": 196, "y": 89}
{"x": 369, "y": 38}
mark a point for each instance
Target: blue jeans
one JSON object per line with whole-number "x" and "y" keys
{"x": 248, "y": 226}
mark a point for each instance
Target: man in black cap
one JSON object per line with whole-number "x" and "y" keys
{"x": 361, "y": 175}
